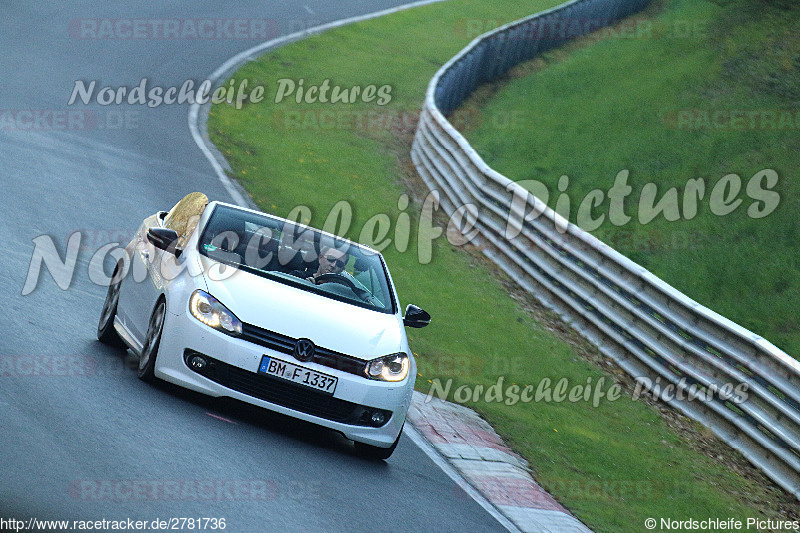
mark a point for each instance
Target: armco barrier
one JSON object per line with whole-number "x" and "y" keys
{"x": 651, "y": 329}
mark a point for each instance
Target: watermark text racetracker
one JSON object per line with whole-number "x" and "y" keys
{"x": 587, "y": 490}
{"x": 104, "y": 524}
{"x": 68, "y": 119}
{"x": 733, "y": 119}
{"x": 28, "y": 366}
{"x": 185, "y": 28}
{"x": 176, "y": 489}
{"x": 587, "y": 27}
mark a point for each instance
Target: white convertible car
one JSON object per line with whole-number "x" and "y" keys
{"x": 234, "y": 302}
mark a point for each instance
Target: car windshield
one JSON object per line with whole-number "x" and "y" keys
{"x": 290, "y": 253}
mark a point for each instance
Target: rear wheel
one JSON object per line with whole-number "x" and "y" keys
{"x": 105, "y": 328}
{"x": 147, "y": 360}
{"x": 369, "y": 451}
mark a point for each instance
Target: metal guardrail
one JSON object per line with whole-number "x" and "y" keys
{"x": 651, "y": 329}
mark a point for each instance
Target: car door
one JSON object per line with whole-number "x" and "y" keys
{"x": 138, "y": 293}
{"x": 147, "y": 281}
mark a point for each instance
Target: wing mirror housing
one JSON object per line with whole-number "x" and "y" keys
{"x": 416, "y": 317}
{"x": 164, "y": 239}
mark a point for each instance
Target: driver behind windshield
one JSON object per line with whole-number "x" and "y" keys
{"x": 331, "y": 261}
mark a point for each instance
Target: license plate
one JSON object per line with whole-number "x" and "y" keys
{"x": 297, "y": 374}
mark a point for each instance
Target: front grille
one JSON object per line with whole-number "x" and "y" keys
{"x": 285, "y": 344}
{"x": 285, "y": 393}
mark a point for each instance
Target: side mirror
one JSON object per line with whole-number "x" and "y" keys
{"x": 416, "y": 317}
{"x": 164, "y": 239}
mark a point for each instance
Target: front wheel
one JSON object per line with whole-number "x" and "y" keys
{"x": 369, "y": 451}
{"x": 105, "y": 328}
{"x": 147, "y": 360}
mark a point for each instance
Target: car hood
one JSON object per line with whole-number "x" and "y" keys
{"x": 284, "y": 309}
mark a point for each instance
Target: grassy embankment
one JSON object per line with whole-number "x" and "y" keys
{"x": 704, "y": 92}
{"x": 612, "y": 465}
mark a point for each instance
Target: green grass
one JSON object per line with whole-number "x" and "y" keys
{"x": 479, "y": 334}
{"x": 616, "y": 104}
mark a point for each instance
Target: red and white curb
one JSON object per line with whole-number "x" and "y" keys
{"x": 477, "y": 453}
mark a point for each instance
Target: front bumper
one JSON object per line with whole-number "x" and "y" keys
{"x": 286, "y": 393}
{"x": 233, "y": 373}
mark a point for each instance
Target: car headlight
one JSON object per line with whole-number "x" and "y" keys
{"x": 389, "y": 368}
{"x": 210, "y": 312}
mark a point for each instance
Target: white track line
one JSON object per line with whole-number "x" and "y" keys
{"x": 201, "y": 137}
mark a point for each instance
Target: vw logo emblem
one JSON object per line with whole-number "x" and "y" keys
{"x": 304, "y": 350}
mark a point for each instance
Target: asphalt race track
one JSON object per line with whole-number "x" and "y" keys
{"x": 81, "y": 438}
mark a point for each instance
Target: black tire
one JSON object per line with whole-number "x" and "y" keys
{"x": 147, "y": 359}
{"x": 105, "y": 327}
{"x": 368, "y": 451}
